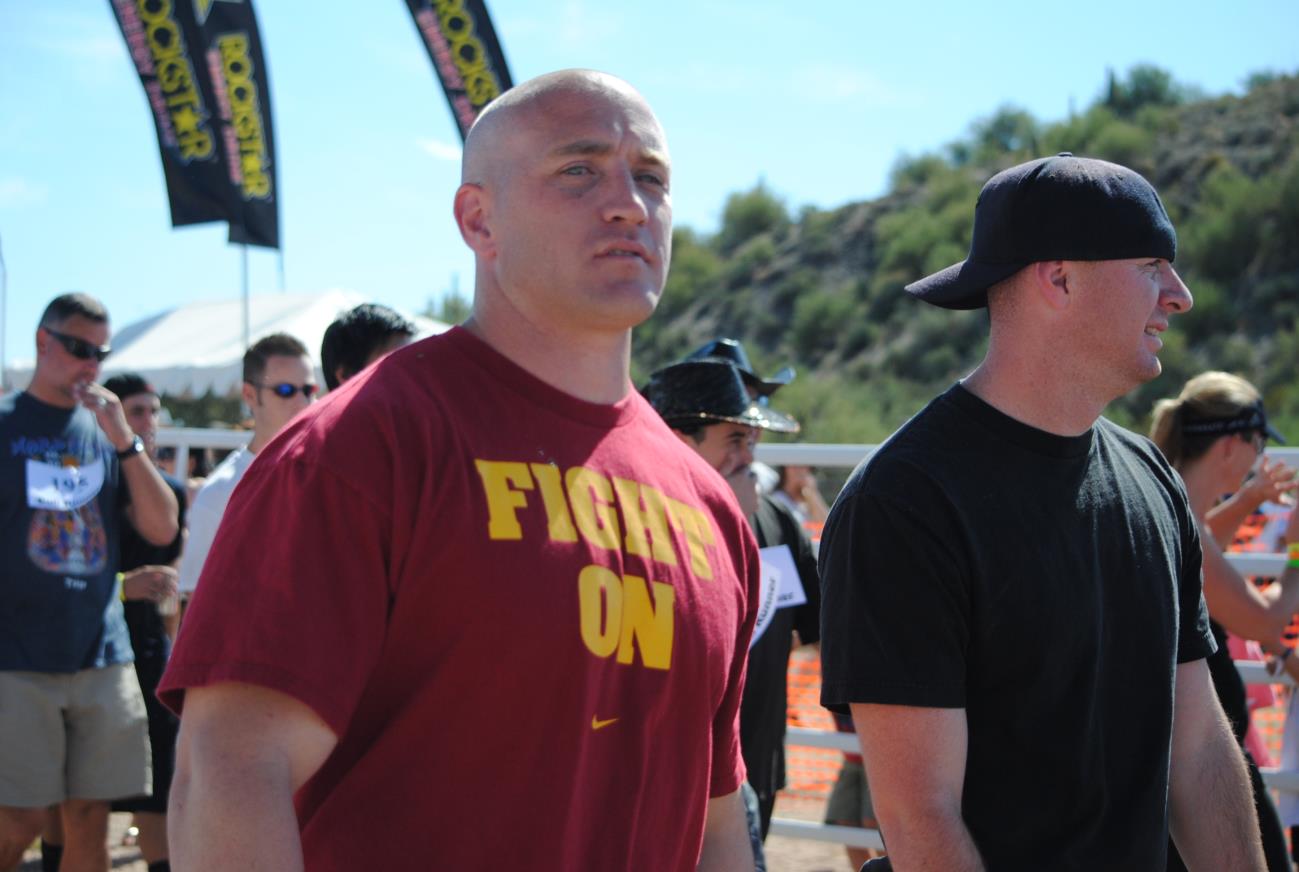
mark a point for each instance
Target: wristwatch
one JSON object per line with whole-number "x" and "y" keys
{"x": 136, "y": 447}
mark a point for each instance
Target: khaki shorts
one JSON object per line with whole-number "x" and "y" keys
{"x": 850, "y": 798}
{"x": 83, "y": 735}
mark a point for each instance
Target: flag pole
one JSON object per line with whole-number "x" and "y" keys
{"x": 243, "y": 250}
{"x": 4, "y": 322}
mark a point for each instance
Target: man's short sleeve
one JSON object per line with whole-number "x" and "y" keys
{"x": 895, "y": 607}
{"x": 294, "y": 593}
{"x": 1194, "y": 637}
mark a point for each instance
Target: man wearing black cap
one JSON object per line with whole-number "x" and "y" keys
{"x": 150, "y": 600}
{"x": 707, "y": 402}
{"x": 1012, "y": 605}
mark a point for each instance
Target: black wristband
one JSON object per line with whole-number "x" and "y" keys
{"x": 136, "y": 447}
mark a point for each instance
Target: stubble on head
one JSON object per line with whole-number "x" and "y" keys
{"x": 541, "y": 175}
{"x": 487, "y": 153}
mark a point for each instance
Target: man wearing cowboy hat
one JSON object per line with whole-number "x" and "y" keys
{"x": 708, "y": 404}
{"x": 759, "y": 388}
{"x": 732, "y": 350}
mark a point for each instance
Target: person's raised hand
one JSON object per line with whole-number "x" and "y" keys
{"x": 107, "y": 409}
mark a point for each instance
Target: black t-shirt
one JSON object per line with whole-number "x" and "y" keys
{"x": 763, "y": 706}
{"x": 148, "y": 634}
{"x": 1049, "y": 586}
{"x": 61, "y": 507}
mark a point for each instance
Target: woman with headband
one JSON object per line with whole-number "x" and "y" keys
{"x": 1213, "y": 433}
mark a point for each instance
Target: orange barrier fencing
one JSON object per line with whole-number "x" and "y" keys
{"x": 811, "y": 772}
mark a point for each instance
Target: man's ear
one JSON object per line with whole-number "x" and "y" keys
{"x": 249, "y": 395}
{"x": 472, "y": 207}
{"x": 1050, "y": 281}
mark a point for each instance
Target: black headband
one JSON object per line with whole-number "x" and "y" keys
{"x": 1250, "y": 419}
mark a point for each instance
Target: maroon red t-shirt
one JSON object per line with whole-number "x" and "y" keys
{"x": 524, "y": 615}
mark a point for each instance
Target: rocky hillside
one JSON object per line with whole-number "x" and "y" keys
{"x": 823, "y": 289}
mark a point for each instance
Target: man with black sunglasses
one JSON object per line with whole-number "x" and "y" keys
{"x": 279, "y": 382}
{"x": 71, "y": 475}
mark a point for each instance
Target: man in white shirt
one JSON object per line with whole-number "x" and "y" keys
{"x": 278, "y": 383}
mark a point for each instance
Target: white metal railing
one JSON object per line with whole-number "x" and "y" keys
{"x": 832, "y": 455}
{"x": 1253, "y": 672}
{"x": 810, "y": 454}
{"x": 813, "y": 454}
{"x": 185, "y": 438}
{"x": 843, "y": 455}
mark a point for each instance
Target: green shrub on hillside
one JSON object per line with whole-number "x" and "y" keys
{"x": 824, "y": 291}
{"x": 748, "y": 215}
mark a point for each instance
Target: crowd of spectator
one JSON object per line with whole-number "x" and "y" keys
{"x": 486, "y": 567}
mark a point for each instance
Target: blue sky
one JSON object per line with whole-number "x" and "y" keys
{"x": 817, "y": 99}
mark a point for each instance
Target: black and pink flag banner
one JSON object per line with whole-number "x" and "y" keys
{"x": 204, "y": 75}
{"x": 237, "y": 67}
{"x": 164, "y": 46}
{"x": 465, "y": 53}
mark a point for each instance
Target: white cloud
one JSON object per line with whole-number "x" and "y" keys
{"x": 93, "y": 47}
{"x": 16, "y": 192}
{"x": 576, "y": 26}
{"x": 87, "y": 48}
{"x": 73, "y": 33}
{"x": 410, "y": 60}
{"x": 707, "y": 77}
{"x": 836, "y": 83}
{"x": 440, "y": 150}
{"x": 580, "y": 25}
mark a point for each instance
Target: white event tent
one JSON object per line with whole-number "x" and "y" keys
{"x": 197, "y": 347}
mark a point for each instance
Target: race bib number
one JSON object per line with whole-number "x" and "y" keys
{"x": 779, "y": 559}
{"x": 63, "y": 488}
{"x": 780, "y": 586}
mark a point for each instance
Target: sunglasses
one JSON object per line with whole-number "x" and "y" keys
{"x": 80, "y": 348}
{"x": 286, "y": 391}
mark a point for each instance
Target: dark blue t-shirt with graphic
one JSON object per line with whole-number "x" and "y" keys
{"x": 61, "y": 506}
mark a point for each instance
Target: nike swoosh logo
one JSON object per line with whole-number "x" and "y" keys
{"x": 597, "y": 724}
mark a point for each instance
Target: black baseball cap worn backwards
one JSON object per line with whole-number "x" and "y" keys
{"x": 1251, "y": 419}
{"x": 1052, "y": 208}
{"x": 128, "y": 384}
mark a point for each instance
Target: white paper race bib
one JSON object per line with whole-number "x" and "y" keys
{"x": 768, "y": 592}
{"x": 780, "y": 586}
{"x": 781, "y": 560}
{"x": 63, "y": 488}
